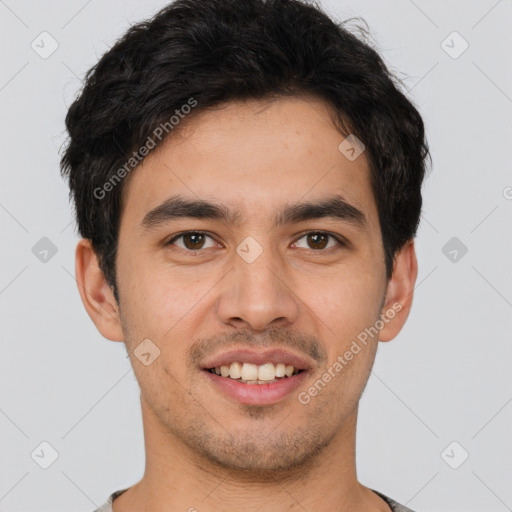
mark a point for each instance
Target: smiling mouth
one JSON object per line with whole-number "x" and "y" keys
{"x": 248, "y": 373}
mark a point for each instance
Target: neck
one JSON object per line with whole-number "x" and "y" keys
{"x": 178, "y": 478}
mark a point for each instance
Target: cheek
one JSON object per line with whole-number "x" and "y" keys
{"x": 163, "y": 305}
{"x": 348, "y": 304}
{"x": 146, "y": 292}
{"x": 351, "y": 346}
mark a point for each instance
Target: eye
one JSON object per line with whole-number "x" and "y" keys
{"x": 319, "y": 240}
{"x": 191, "y": 241}
{"x": 194, "y": 241}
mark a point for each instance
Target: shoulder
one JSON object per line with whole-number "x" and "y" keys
{"x": 107, "y": 506}
{"x": 395, "y": 506}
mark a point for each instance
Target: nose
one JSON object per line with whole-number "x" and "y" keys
{"x": 258, "y": 295}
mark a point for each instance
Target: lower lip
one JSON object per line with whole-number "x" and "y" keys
{"x": 256, "y": 394}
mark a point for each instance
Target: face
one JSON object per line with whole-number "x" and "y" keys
{"x": 284, "y": 267}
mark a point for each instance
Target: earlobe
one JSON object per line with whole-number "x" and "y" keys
{"x": 96, "y": 294}
{"x": 399, "y": 293}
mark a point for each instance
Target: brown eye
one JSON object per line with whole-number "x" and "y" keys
{"x": 190, "y": 241}
{"x": 319, "y": 240}
{"x": 193, "y": 240}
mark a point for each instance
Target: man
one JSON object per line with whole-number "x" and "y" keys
{"x": 247, "y": 182}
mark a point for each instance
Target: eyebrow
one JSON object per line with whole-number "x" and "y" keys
{"x": 177, "y": 207}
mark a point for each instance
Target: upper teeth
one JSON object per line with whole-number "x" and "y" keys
{"x": 253, "y": 372}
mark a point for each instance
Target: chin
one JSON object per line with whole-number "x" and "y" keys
{"x": 266, "y": 458}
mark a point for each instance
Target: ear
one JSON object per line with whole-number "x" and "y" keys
{"x": 96, "y": 294}
{"x": 399, "y": 294}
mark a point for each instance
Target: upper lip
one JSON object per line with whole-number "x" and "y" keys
{"x": 245, "y": 355}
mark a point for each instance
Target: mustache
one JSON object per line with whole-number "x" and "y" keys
{"x": 272, "y": 337}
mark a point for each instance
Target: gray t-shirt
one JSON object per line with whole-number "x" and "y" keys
{"x": 395, "y": 507}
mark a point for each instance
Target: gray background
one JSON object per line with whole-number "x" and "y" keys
{"x": 446, "y": 378}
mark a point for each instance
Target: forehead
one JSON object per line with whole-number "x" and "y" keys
{"x": 253, "y": 156}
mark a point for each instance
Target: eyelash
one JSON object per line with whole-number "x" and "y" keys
{"x": 340, "y": 241}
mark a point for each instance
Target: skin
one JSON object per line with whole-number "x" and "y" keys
{"x": 205, "y": 451}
